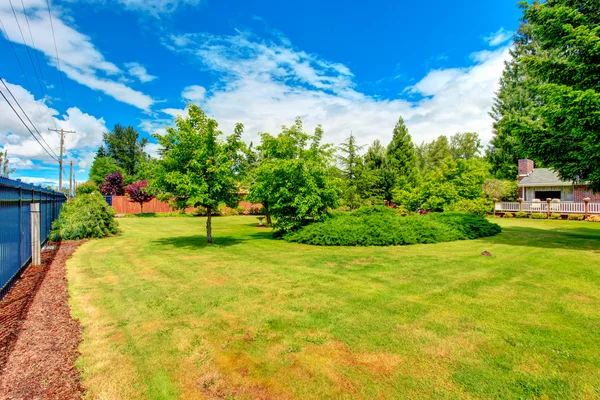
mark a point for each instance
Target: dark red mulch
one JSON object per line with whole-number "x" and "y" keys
{"x": 38, "y": 337}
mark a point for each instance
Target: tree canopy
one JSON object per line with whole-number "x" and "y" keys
{"x": 292, "y": 178}
{"x": 196, "y": 167}
{"x": 557, "y": 65}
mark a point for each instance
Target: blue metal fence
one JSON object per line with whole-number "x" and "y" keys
{"x": 15, "y": 228}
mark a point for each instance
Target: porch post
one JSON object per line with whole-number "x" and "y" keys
{"x": 586, "y": 201}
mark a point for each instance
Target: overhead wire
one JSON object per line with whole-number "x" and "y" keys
{"x": 27, "y": 116}
{"x": 26, "y": 126}
{"x": 56, "y": 50}
{"x": 27, "y": 48}
{"x": 28, "y": 83}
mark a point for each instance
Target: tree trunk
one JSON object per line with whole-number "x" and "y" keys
{"x": 209, "y": 225}
{"x": 141, "y": 208}
{"x": 268, "y": 215}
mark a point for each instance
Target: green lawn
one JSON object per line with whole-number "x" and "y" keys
{"x": 166, "y": 316}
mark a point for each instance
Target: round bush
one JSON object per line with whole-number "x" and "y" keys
{"x": 379, "y": 227}
{"x": 84, "y": 216}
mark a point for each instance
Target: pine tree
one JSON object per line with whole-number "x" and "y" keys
{"x": 559, "y": 78}
{"x": 401, "y": 159}
{"x": 511, "y": 105}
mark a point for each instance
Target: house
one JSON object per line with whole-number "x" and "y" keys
{"x": 544, "y": 183}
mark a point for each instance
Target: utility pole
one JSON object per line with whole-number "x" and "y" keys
{"x": 71, "y": 179}
{"x": 62, "y": 147}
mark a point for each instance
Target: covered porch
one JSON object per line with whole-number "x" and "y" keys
{"x": 553, "y": 207}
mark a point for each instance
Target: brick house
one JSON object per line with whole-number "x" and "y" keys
{"x": 544, "y": 183}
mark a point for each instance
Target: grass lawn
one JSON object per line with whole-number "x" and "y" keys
{"x": 166, "y": 316}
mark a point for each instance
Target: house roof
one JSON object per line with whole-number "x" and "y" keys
{"x": 543, "y": 177}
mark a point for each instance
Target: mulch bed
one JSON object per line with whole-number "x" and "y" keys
{"x": 38, "y": 337}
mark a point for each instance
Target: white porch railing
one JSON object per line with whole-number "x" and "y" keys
{"x": 542, "y": 206}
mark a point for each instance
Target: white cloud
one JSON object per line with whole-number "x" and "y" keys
{"x": 157, "y": 8}
{"x": 194, "y": 93}
{"x": 23, "y": 148}
{"x": 499, "y": 37}
{"x": 79, "y": 58}
{"x": 139, "y": 71}
{"x": 265, "y": 84}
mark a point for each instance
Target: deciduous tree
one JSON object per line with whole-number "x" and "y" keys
{"x": 196, "y": 167}
{"x": 138, "y": 193}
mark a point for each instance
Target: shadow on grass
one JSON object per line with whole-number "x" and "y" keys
{"x": 199, "y": 241}
{"x": 568, "y": 238}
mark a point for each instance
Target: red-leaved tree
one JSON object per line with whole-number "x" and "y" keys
{"x": 138, "y": 193}
{"x": 113, "y": 185}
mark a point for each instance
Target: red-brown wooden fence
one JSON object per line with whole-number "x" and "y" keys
{"x": 122, "y": 205}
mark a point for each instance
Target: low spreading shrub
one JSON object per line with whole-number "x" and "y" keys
{"x": 508, "y": 215}
{"x": 84, "y": 216}
{"x": 241, "y": 210}
{"x": 538, "y": 216}
{"x": 593, "y": 218}
{"x": 575, "y": 217}
{"x": 555, "y": 216}
{"x": 380, "y": 226}
{"x": 521, "y": 214}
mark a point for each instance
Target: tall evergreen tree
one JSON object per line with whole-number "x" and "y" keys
{"x": 465, "y": 145}
{"x": 512, "y": 104}
{"x": 401, "y": 159}
{"x": 350, "y": 159}
{"x": 124, "y": 145}
{"x": 436, "y": 152}
{"x": 560, "y": 62}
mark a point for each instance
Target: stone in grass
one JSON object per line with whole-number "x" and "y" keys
{"x": 486, "y": 254}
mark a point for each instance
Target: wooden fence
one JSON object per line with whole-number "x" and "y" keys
{"x": 123, "y": 205}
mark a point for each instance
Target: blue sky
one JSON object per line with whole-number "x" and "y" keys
{"x": 350, "y": 66}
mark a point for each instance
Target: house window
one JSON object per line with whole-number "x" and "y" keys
{"x": 547, "y": 194}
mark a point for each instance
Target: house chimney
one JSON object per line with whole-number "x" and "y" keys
{"x": 525, "y": 167}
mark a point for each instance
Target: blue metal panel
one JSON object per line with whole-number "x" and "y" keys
{"x": 15, "y": 229}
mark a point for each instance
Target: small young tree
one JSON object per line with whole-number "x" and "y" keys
{"x": 5, "y": 170}
{"x": 196, "y": 168}
{"x": 113, "y": 185}
{"x": 138, "y": 193}
{"x": 292, "y": 178}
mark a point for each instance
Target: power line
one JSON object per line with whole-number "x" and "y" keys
{"x": 26, "y": 116}
{"x": 27, "y": 48}
{"x": 44, "y": 114}
{"x": 25, "y": 125}
{"x": 37, "y": 58}
{"x": 56, "y": 50}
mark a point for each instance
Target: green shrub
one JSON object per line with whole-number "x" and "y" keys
{"x": 86, "y": 188}
{"x": 555, "y": 216}
{"x": 84, "y": 216}
{"x": 479, "y": 206}
{"x": 521, "y": 214}
{"x": 201, "y": 212}
{"x": 508, "y": 215}
{"x": 538, "y": 216}
{"x": 376, "y": 226}
{"x": 575, "y": 217}
{"x": 240, "y": 210}
{"x": 228, "y": 212}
